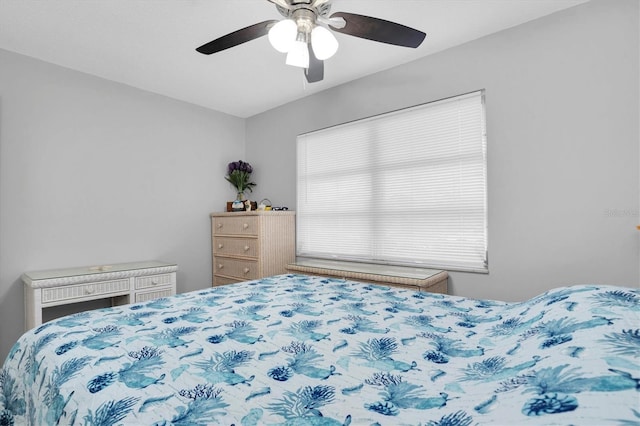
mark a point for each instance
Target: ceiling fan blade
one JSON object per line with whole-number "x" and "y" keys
{"x": 379, "y": 30}
{"x": 315, "y": 72}
{"x": 237, "y": 37}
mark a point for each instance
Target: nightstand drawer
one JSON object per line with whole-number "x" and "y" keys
{"x": 241, "y": 225}
{"x": 150, "y": 295}
{"x": 84, "y": 291}
{"x": 235, "y": 246}
{"x": 243, "y": 269}
{"x": 154, "y": 281}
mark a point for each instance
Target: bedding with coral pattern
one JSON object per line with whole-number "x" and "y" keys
{"x": 300, "y": 350}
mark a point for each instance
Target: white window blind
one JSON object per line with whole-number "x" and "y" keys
{"x": 407, "y": 188}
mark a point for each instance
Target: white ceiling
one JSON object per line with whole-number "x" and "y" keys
{"x": 150, "y": 44}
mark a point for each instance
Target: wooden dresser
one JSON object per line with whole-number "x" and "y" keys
{"x": 430, "y": 280}
{"x": 251, "y": 245}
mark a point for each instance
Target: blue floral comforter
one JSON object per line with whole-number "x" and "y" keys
{"x": 301, "y": 350}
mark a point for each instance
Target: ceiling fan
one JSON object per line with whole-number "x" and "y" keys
{"x": 304, "y": 34}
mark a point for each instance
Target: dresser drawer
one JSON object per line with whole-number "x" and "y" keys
{"x": 241, "y": 225}
{"x": 243, "y": 269}
{"x": 236, "y": 246}
{"x": 84, "y": 291}
{"x": 154, "y": 281}
{"x": 218, "y": 280}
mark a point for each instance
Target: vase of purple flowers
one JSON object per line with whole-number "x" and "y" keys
{"x": 239, "y": 175}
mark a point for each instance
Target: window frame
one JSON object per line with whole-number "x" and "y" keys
{"x": 481, "y": 267}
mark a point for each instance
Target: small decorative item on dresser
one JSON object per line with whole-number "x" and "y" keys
{"x": 238, "y": 204}
{"x": 265, "y": 205}
{"x": 239, "y": 175}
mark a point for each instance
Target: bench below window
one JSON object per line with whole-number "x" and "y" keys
{"x": 430, "y": 280}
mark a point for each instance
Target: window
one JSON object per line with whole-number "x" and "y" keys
{"x": 403, "y": 188}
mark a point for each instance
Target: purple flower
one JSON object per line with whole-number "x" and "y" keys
{"x": 239, "y": 165}
{"x": 239, "y": 175}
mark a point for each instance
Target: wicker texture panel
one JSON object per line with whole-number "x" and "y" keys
{"x": 50, "y": 295}
{"x": 278, "y": 244}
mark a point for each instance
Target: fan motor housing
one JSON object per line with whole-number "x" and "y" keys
{"x": 321, "y": 9}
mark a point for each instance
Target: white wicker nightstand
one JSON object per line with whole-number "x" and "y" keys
{"x": 122, "y": 283}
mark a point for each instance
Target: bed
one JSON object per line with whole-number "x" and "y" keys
{"x": 301, "y": 350}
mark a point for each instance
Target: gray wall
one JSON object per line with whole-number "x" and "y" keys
{"x": 95, "y": 172}
{"x": 562, "y": 119}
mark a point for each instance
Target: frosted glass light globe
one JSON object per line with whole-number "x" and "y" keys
{"x": 298, "y": 55}
{"x": 323, "y": 43}
{"x": 282, "y": 35}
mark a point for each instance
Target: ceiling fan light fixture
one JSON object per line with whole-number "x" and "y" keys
{"x": 304, "y": 34}
{"x": 282, "y": 35}
{"x": 298, "y": 55}
{"x": 323, "y": 43}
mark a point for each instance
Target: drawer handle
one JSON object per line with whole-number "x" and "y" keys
{"x": 219, "y": 225}
{"x": 220, "y": 246}
{"x": 246, "y": 248}
{"x": 220, "y": 266}
{"x": 89, "y": 290}
{"x": 246, "y": 270}
{"x": 245, "y": 225}
{"x": 154, "y": 282}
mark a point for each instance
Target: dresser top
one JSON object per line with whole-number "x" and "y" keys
{"x": 116, "y": 270}
{"x": 255, "y": 213}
